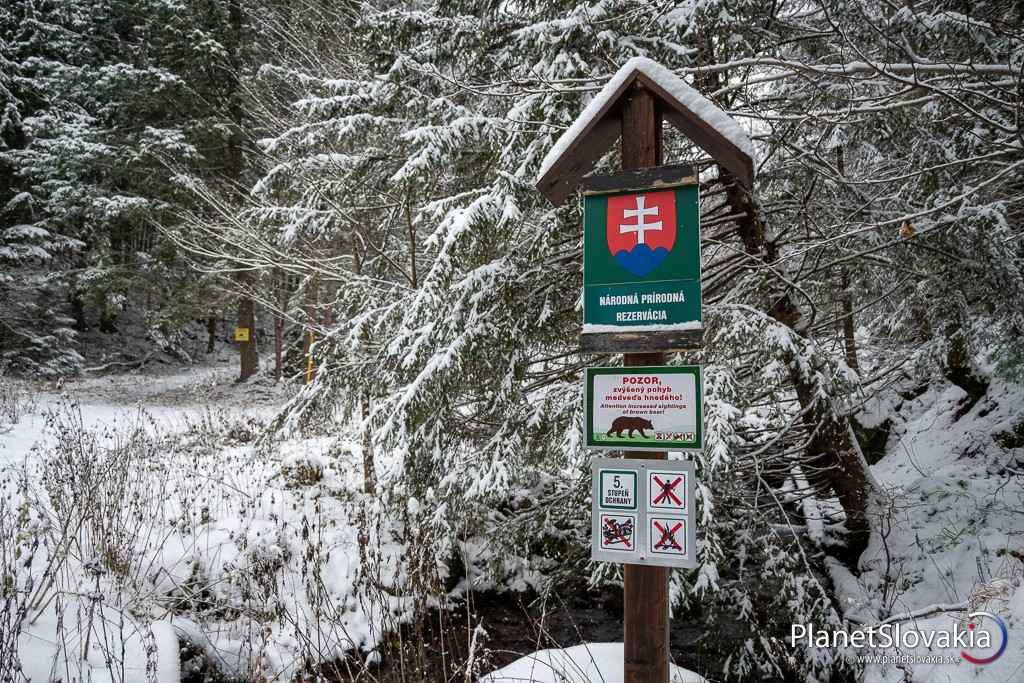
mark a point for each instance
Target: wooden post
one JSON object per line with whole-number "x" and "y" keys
{"x": 632, "y": 107}
{"x": 645, "y": 598}
{"x": 248, "y": 355}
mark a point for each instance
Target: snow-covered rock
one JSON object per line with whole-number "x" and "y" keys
{"x": 579, "y": 664}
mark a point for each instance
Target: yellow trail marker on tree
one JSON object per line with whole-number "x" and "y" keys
{"x": 309, "y": 359}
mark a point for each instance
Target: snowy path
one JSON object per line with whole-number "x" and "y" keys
{"x": 171, "y": 399}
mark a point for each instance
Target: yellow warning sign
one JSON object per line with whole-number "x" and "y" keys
{"x": 241, "y": 334}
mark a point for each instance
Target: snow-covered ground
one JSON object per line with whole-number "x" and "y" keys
{"x": 952, "y": 541}
{"x": 586, "y": 663}
{"x": 151, "y": 496}
{"x": 171, "y": 399}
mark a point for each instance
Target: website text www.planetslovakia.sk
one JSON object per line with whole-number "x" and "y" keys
{"x": 901, "y": 659}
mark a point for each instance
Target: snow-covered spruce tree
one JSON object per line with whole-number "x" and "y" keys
{"x": 12, "y": 133}
{"x": 110, "y": 93}
{"x": 222, "y": 236}
{"x": 957, "y": 208}
{"x": 36, "y": 332}
{"x": 890, "y": 196}
{"x": 910, "y": 187}
{"x": 459, "y": 311}
{"x": 270, "y": 240}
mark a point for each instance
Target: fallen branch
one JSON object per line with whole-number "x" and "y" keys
{"x": 134, "y": 364}
{"x": 926, "y": 611}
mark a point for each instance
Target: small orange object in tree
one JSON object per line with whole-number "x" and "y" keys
{"x": 907, "y": 230}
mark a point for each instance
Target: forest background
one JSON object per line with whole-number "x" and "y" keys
{"x": 355, "y": 181}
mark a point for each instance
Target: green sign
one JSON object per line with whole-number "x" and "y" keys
{"x": 641, "y": 260}
{"x": 644, "y": 408}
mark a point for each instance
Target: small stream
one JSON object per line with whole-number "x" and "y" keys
{"x": 519, "y": 624}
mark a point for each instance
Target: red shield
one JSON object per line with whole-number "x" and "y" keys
{"x": 641, "y": 229}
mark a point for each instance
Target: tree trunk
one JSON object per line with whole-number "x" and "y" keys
{"x": 833, "y": 461}
{"x": 236, "y": 111}
{"x": 78, "y": 311}
{"x": 248, "y": 355}
{"x": 369, "y": 469}
{"x": 849, "y": 337}
{"x": 845, "y": 295}
{"x": 211, "y": 333}
{"x": 278, "y": 346}
{"x": 280, "y": 284}
{"x": 108, "y": 320}
{"x": 957, "y": 367}
{"x": 413, "y": 274}
{"x": 234, "y": 167}
{"x": 312, "y": 304}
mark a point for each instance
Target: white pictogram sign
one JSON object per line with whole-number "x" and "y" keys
{"x": 666, "y": 491}
{"x": 642, "y": 512}
{"x": 668, "y": 535}
{"x": 618, "y": 533}
{"x": 618, "y": 489}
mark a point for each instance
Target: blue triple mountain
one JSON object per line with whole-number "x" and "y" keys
{"x": 642, "y": 259}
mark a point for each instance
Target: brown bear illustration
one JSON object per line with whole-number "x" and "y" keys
{"x": 629, "y": 425}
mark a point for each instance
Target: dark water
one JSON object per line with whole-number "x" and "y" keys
{"x": 518, "y": 624}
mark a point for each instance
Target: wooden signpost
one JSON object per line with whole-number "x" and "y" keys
{"x": 659, "y": 203}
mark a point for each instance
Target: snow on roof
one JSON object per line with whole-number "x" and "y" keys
{"x": 675, "y": 86}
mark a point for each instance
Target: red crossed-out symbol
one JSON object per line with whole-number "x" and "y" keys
{"x": 616, "y": 531}
{"x": 668, "y": 493}
{"x": 668, "y": 537}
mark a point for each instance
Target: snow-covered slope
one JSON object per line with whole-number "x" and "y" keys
{"x": 952, "y": 539}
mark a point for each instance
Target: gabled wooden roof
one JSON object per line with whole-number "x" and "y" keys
{"x": 599, "y": 126}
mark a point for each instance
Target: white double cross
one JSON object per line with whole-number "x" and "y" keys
{"x": 641, "y": 213}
